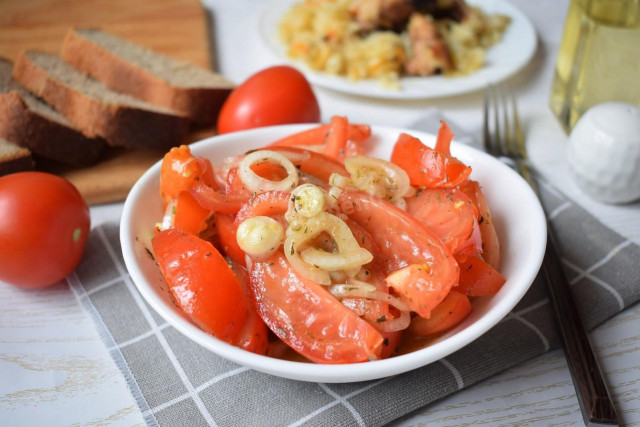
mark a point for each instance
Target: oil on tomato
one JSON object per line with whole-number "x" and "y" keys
{"x": 44, "y": 227}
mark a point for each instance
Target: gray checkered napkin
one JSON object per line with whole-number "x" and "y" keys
{"x": 176, "y": 382}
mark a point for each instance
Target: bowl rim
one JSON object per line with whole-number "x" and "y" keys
{"x": 335, "y": 373}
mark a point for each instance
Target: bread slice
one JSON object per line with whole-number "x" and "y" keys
{"x": 154, "y": 78}
{"x": 14, "y": 158}
{"x": 120, "y": 119}
{"x": 31, "y": 123}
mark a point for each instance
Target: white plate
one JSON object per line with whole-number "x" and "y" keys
{"x": 519, "y": 218}
{"x": 503, "y": 60}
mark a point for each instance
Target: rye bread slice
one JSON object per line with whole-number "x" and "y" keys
{"x": 14, "y": 158}
{"x": 96, "y": 110}
{"x": 31, "y": 123}
{"x": 147, "y": 75}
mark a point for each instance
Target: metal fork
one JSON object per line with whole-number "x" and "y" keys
{"x": 503, "y": 138}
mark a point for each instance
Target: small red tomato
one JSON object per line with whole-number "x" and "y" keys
{"x": 44, "y": 225}
{"x": 276, "y": 95}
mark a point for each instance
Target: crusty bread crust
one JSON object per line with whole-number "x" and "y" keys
{"x": 200, "y": 104}
{"x": 120, "y": 125}
{"x": 44, "y": 137}
{"x": 20, "y": 159}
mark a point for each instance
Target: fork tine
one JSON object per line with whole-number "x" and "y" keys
{"x": 518, "y": 148}
{"x": 486, "y": 134}
{"x": 497, "y": 129}
{"x": 491, "y": 126}
{"x": 509, "y": 134}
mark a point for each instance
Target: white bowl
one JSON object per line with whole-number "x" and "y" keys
{"x": 519, "y": 219}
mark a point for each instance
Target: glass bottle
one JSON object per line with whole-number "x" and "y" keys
{"x": 598, "y": 59}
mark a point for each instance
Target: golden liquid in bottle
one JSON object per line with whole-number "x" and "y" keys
{"x": 599, "y": 58}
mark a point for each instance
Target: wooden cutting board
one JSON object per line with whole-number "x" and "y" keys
{"x": 177, "y": 28}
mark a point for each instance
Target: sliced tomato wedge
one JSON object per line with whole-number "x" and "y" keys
{"x": 337, "y": 138}
{"x": 189, "y": 215}
{"x": 234, "y": 185}
{"x": 216, "y": 200}
{"x": 226, "y": 230}
{"x": 444, "y": 139}
{"x": 269, "y": 203}
{"x": 308, "y": 318}
{"x": 318, "y": 136}
{"x": 202, "y": 283}
{"x": 490, "y": 242}
{"x": 478, "y": 278}
{"x": 317, "y": 164}
{"x": 427, "y": 167}
{"x": 390, "y": 343}
{"x": 254, "y": 335}
{"x": 404, "y": 241}
{"x": 180, "y": 170}
{"x": 450, "y": 214}
{"x": 449, "y": 313}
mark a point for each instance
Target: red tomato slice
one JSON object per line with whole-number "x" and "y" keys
{"x": 234, "y": 185}
{"x": 390, "y": 343}
{"x": 443, "y": 141}
{"x": 490, "y": 243}
{"x": 254, "y": 335}
{"x": 269, "y": 203}
{"x": 337, "y": 138}
{"x": 450, "y": 214}
{"x": 404, "y": 241}
{"x": 180, "y": 170}
{"x": 478, "y": 278}
{"x": 450, "y": 312}
{"x": 316, "y": 164}
{"x": 427, "y": 167}
{"x": 190, "y": 216}
{"x": 370, "y": 310}
{"x": 202, "y": 283}
{"x": 227, "y": 238}
{"x": 318, "y": 136}
{"x": 308, "y": 318}
{"x": 215, "y": 200}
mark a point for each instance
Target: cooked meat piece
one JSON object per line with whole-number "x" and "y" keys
{"x": 442, "y": 9}
{"x": 390, "y": 14}
{"x": 428, "y": 53}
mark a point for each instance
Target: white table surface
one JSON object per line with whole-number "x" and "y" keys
{"x": 54, "y": 369}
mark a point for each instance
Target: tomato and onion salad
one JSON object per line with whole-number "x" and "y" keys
{"x": 312, "y": 245}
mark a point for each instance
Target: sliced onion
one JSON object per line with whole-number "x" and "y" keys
{"x": 396, "y": 324}
{"x": 349, "y": 254}
{"x": 300, "y": 266}
{"x": 259, "y": 236}
{"x": 358, "y": 289}
{"x": 306, "y": 200}
{"x": 336, "y": 261}
{"x": 378, "y": 177}
{"x": 258, "y": 184}
{"x": 340, "y": 181}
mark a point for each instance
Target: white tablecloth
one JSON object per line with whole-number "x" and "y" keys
{"x": 54, "y": 369}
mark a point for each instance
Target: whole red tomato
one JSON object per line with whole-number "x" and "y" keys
{"x": 44, "y": 225}
{"x": 273, "y": 96}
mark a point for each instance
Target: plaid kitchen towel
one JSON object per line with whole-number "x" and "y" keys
{"x": 176, "y": 382}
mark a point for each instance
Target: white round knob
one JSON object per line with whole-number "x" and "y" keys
{"x": 604, "y": 152}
